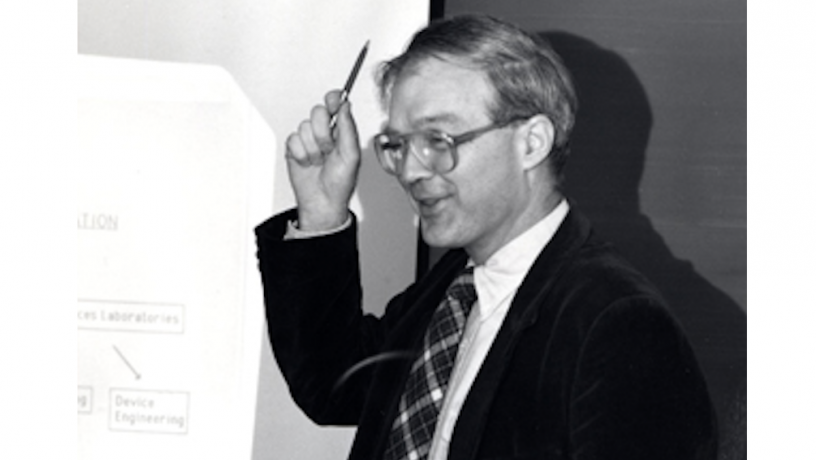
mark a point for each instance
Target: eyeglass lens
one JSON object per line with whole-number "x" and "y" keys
{"x": 433, "y": 149}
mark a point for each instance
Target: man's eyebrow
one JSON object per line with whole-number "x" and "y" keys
{"x": 448, "y": 118}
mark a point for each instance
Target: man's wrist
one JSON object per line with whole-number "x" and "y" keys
{"x": 321, "y": 221}
{"x": 296, "y": 230}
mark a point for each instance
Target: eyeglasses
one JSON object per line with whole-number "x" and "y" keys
{"x": 434, "y": 149}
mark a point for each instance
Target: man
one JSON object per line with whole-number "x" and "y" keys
{"x": 557, "y": 348}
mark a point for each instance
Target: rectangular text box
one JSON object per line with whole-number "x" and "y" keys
{"x": 146, "y": 411}
{"x": 126, "y": 316}
{"x": 84, "y": 400}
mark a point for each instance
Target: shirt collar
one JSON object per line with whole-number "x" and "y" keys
{"x": 504, "y": 271}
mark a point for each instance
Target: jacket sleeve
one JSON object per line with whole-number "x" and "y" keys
{"x": 638, "y": 392}
{"x": 316, "y": 325}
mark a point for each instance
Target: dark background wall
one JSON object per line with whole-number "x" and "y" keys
{"x": 659, "y": 157}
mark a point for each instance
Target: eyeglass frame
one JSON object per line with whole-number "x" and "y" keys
{"x": 452, "y": 141}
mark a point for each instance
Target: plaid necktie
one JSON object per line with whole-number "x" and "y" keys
{"x": 419, "y": 407}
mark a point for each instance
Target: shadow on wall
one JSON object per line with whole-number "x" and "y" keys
{"x": 609, "y": 148}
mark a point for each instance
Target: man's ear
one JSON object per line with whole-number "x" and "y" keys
{"x": 537, "y": 139}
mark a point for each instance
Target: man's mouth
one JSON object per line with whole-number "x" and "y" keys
{"x": 430, "y": 205}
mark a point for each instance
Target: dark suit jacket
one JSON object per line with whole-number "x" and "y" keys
{"x": 589, "y": 363}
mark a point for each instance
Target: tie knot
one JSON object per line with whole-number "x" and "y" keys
{"x": 463, "y": 290}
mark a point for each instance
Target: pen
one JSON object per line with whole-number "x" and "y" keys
{"x": 350, "y": 81}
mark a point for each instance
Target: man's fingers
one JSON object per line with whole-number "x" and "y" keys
{"x": 313, "y": 154}
{"x": 302, "y": 147}
{"x": 315, "y": 137}
{"x": 347, "y": 128}
{"x": 295, "y": 150}
{"x": 333, "y": 99}
{"x": 321, "y": 130}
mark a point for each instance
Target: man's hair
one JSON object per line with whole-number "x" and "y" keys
{"x": 527, "y": 75}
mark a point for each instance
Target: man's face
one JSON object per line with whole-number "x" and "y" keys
{"x": 476, "y": 205}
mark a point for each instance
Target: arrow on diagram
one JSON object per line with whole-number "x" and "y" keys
{"x": 127, "y": 363}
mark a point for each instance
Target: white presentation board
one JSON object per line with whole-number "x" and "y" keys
{"x": 284, "y": 54}
{"x": 175, "y": 168}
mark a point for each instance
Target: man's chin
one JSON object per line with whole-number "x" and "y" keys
{"x": 435, "y": 237}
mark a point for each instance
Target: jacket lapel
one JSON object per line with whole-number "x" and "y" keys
{"x": 524, "y": 311}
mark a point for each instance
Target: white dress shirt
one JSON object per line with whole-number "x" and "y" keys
{"x": 496, "y": 283}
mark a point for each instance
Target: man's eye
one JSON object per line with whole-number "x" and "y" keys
{"x": 393, "y": 145}
{"x": 388, "y": 143}
{"x": 436, "y": 141}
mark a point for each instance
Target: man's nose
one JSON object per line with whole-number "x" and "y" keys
{"x": 412, "y": 168}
